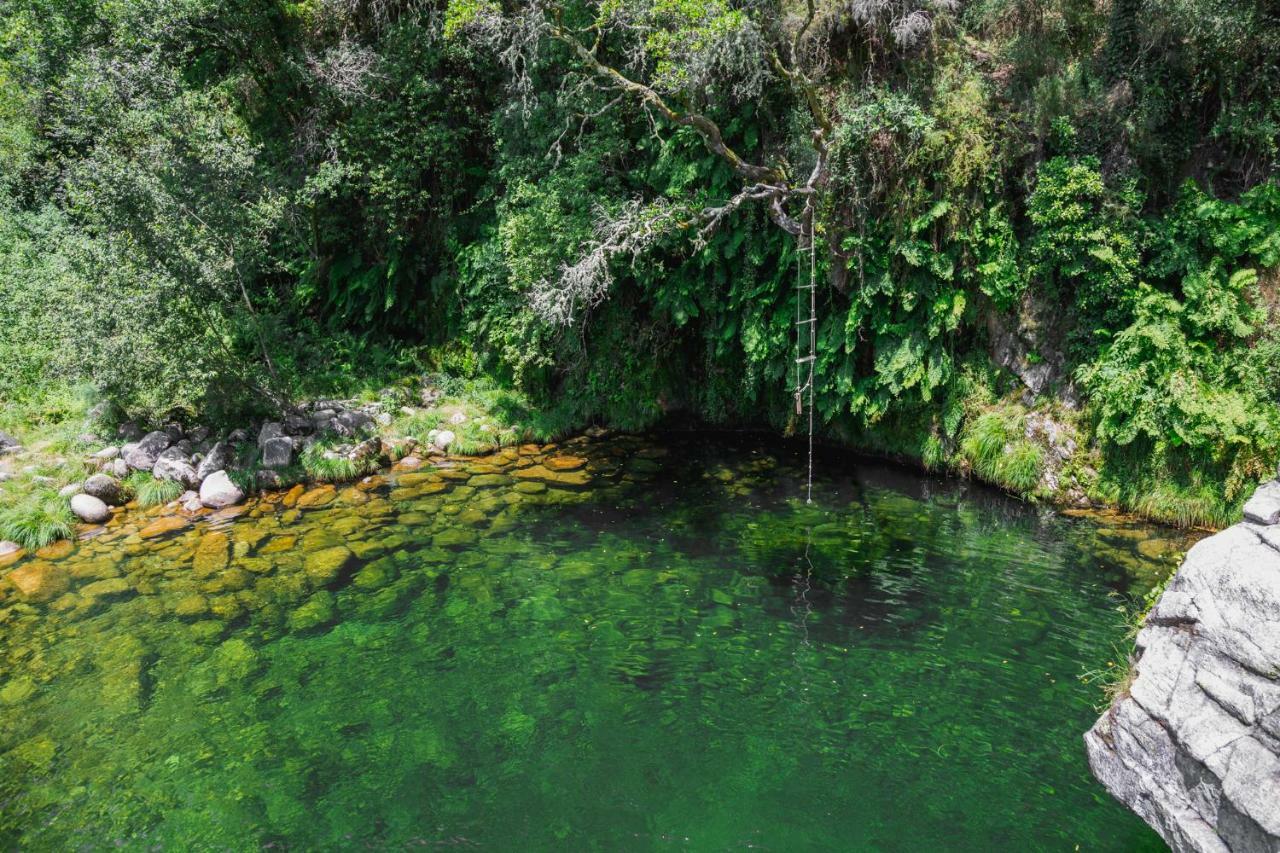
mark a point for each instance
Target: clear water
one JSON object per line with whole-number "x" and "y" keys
{"x": 646, "y": 662}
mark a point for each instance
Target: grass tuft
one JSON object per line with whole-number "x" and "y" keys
{"x": 39, "y": 518}
{"x": 150, "y": 491}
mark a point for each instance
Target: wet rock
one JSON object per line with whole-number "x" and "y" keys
{"x": 323, "y": 567}
{"x": 110, "y": 588}
{"x": 564, "y": 462}
{"x": 375, "y": 575}
{"x": 454, "y": 537}
{"x": 17, "y": 690}
{"x": 544, "y": 474}
{"x": 161, "y": 526}
{"x": 218, "y": 490}
{"x": 317, "y": 612}
{"x": 143, "y": 455}
{"x": 90, "y": 509}
{"x": 484, "y": 481}
{"x": 59, "y": 550}
{"x": 107, "y": 489}
{"x": 39, "y": 581}
{"x": 317, "y": 497}
{"x": 1193, "y": 746}
{"x": 7, "y": 548}
{"x": 212, "y": 554}
{"x": 191, "y": 606}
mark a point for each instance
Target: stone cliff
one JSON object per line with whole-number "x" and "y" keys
{"x": 1193, "y": 746}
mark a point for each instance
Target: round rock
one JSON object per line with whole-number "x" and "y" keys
{"x": 90, "y": 509}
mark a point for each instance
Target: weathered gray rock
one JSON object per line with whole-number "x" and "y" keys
{"x": 69, "y": 490}
{"x": 270, "y": 430}
{"x": 1264, "y": 506}
{"x": 277, "y": 452}
{"x": 199, "y": 434}
{"x": 1193, "y": 746}
{"x": 90, "y": 509}
{"x": 174, "y": 465}
{"x": 219, "y": 458}
{"x": 106, "y": 454}
{"x": 351, "y": 423}
{"x": 7, "y": 548}
{"x": 129, "y": 432}
{"x": 370, "y": 448}
{"x": 143, "y": 455}
{"x": 298, "y": 424}
{"x": 443, "y": 439}
{"x": 107, "y": 489}
{"x": 218, "y": 490}
{"x": 117, "y": 468}
{"x": 7, "y": 440}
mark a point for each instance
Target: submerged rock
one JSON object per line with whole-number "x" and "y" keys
{"x": 1193, "y": 745}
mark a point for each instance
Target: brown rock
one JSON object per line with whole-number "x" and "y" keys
{"x": 56, "y": 550}
{"x": 319, "y": 496}
{"x": 564, "y": 462}
{"x": 40, "y": 581}
{"x": 161, "y": 526}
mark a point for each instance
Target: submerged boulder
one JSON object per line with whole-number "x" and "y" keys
{"x": 1193, "y": 745}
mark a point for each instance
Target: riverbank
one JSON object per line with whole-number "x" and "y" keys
{"x": 59, "y": 479}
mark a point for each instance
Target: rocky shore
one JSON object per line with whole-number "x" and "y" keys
{"x": 1193, "y": 744}
{"x": 219, "y": 471}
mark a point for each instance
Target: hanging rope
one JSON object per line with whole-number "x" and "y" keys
{"x": 810, "y": 322}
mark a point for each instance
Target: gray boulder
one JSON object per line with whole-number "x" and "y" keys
{"x": 69, "y": 490}
{"x": 7, "y": 440}
{"x": 198, "y": 435}
{"x": 1193, "y": 745}
{"x": 219, "y": 457}
{"x": 116, "y": 468}
{"x": 352, "y": 423}
{"x": 143, "y": 455}
{"x": 106, "y": 454}
{"x": 443, "y": 438}
{"x": 1264, "y": 506}
{"x": 218, "y": 490}
{"x": 270, "y": 430}
{"x": 277, "y": 452}
{"x": 238, "y": 436}
{"x": 175, "y": 465}
{"x": 107, "y": 489}
{"x": 129, "y": 432}
{"x": 298, "y": 424}
{"x": 90, "y": 509}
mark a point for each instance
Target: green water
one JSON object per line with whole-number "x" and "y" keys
{"x": 647, "y": 661}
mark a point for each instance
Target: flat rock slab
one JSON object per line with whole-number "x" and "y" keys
{"x": 161, "y": 526}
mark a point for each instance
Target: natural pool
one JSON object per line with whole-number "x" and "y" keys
{"x": 609, "y": 645}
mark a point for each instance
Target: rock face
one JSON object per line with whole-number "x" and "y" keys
{"x": 1193, "y": 747}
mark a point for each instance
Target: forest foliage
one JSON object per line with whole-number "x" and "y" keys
{"x": 212, "y": 206}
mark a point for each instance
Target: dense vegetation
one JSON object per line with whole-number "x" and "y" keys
{"x": 213, "y": 207}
